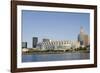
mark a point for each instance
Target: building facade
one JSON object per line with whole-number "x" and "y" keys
{"x": 34, "y": 42}
{"x": 59, "y": 45}
{"x": 83, "y": 38}
{"x": 24, "y": 44}
{"x": 46, "y": 40}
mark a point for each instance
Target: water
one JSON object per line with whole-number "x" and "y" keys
{"x": 54, "y": 57}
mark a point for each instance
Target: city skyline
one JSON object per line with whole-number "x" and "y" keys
{"x": 53, "y": 25}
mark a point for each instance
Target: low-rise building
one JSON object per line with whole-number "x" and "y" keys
{"x": 24, "y": 44}
{"x": 59, "y": 45}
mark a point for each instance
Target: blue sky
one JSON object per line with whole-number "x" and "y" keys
{"x": 53, "y": 25}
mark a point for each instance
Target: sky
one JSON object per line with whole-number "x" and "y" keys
{"x": 53, "y": 25}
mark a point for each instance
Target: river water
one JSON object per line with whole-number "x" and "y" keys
{"x": 55, "y": 57}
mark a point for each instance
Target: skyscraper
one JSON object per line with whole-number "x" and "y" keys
{"x": 83, "y": 38}
{"x": 86, "y": 40}
{"x": 35, "y": 41}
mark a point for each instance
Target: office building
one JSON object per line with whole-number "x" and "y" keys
{"x": 83, "y": 38}
{"x": 34, "y": 42}
{"x": 86, "y": 40}
{"x": 24, "y": 44}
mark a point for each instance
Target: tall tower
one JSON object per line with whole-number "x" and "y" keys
{"x": 81, "y": 36}
{"x": 81, "y": 30}
{"x": 34, "y": 42}
{"x": 86, "y": 40}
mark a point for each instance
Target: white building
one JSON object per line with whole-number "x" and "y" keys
{"x": 59, "y": 45}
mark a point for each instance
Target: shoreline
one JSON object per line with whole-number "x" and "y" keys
{"x": 43, "y": 52}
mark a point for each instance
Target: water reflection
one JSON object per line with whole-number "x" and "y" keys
{"x": 54, "y": 57}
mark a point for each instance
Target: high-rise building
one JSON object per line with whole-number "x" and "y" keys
{"x": 86, "y": 40}
{"x": 83, "y": 38}
{"x": 24, "y": 44}
{"x": 34, "y": 42}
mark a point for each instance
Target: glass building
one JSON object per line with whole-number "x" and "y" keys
{"x": 83, "y": 38}
{"x": 34, "y": 42}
